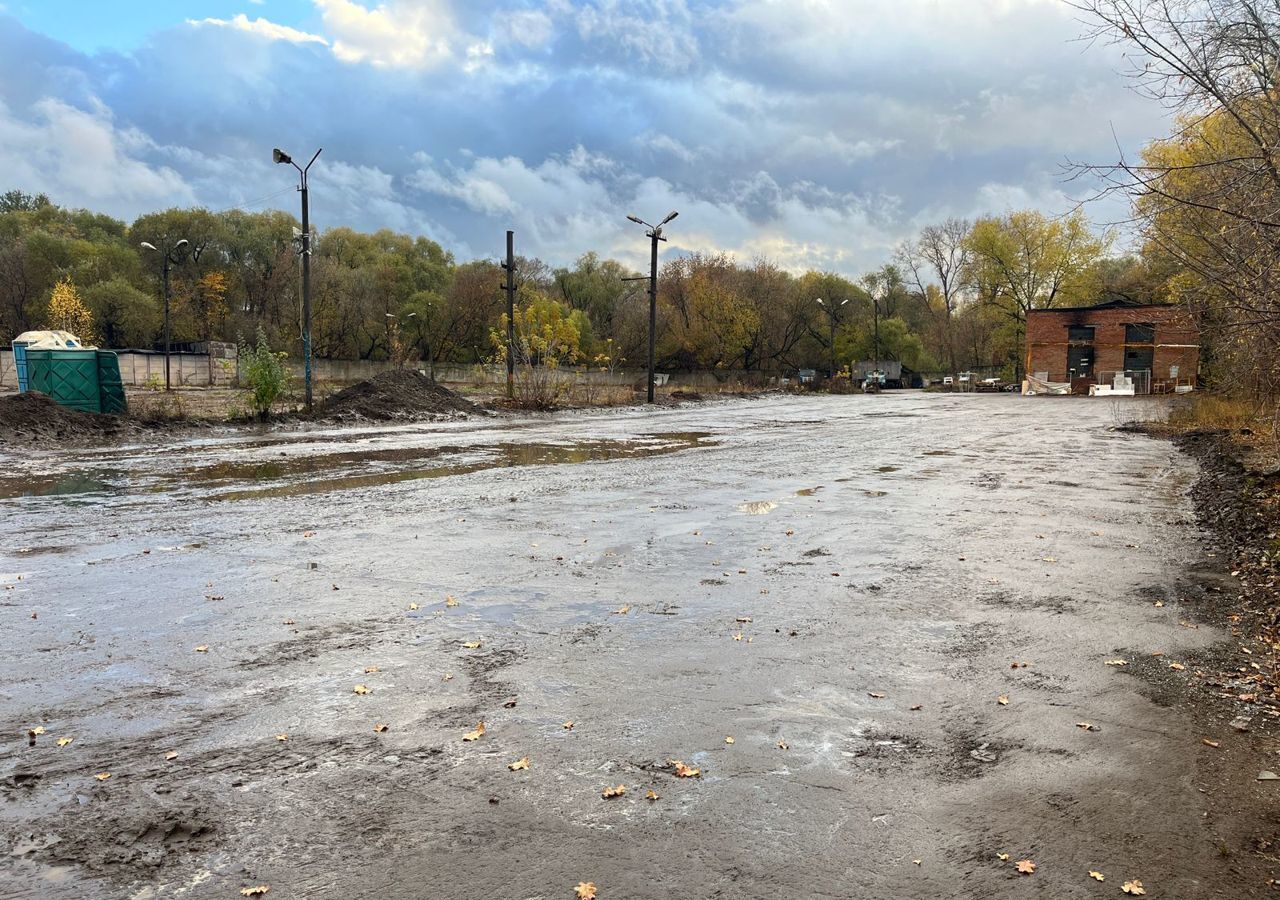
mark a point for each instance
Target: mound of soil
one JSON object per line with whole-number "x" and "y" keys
{"x": 32, "y": 418}
{"x": 399, "y": 394}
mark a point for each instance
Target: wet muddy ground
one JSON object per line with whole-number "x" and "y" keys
{"x": 844, "y": 586}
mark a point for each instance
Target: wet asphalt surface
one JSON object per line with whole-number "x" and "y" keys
{"x": 842, "y": 585}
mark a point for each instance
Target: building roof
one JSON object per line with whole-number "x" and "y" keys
{"x": 1110, "y": 304}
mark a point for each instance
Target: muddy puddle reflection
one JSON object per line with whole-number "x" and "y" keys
{"x": 348, "y": 470}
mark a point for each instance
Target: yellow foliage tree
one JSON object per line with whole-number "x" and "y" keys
{"x": 67, "y": 311}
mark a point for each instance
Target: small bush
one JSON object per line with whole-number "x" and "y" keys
{"x": 264, "y": 372}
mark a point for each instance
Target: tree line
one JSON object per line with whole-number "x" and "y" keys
{"x": 952, "y": 298}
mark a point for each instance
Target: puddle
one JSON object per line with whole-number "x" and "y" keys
{"x": 396, "y": 465}
{"x": 67, "y": 484}
{"x": 758, "y": 507}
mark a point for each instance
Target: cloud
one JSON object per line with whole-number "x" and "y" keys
{"x": 401, "y": 34}
{"x": 263, "y": 28}
{"x": 793, "y": 129}
{"x": 84, "y": 159}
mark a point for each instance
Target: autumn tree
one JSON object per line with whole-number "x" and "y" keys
{"x": 1026, "y": 260}
{"x": 1208, "y": 197}
{"x": 67, "y": 312}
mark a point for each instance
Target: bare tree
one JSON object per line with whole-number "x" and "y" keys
{"x": 1208, "y": 196}
{"x": 940, "y": 257}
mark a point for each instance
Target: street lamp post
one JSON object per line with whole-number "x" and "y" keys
{"x": 655, "y": 235}
{"x": 168, "y": 257}
{"x": 281, "y": 158}
{"x": 393, "y": 327}
{"x": 832, "y": 311}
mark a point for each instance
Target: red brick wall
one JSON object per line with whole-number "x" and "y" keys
{"x": 1047, "y": 339}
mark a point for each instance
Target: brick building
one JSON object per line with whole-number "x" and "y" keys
{"x": 1157, "y": 345}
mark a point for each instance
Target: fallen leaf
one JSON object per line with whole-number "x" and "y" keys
{"x": 307, "y": 534}
{"x": 102, "y": 776}
{"x": 380, "y": 727}
{"x": 258, "y": 889}
{"x": 745, "y": 620}
{"x": 450, "y": 600}
{"x": 1026, "y": 866}
{"x": 63, "y": 741}
{"x": 1159, "y": 603}
{"x": 1177, "y": 666}
{"x": 1003, "y": 857}
{"x": 172, "y": 754}
{"x": 1209, "y": 743}
{"x": 510, "y": 704}
{"x": 683, "y": 771}
{"x": 738, "y": 636}
{"x": 783, "y": 745}
{"x": 282, "y": 737}
{"x": 622, "y": 610}
{"x": 651, "y": 796}
{"x": 568, "y": 726}
{"x": 1117, "y": 662}
{"x": 1018, "y": 665}
{"x": 1048, "y": 559}
{"x": 521, "y": 763}
{"x": 790, "y": 532}
{"x": 728, "y": 740}
{"x": 916, "y": 861}
{"x": 1003, "y": 700}
{"x": 1133, "y": 887}
{"x": 472, "y": 645}
{"x": 475, "y": 735}
{"x": 1088, "y": 726}
{"x": 1097, "y": 876}
{"x": 586, "y": 890}
{"x": 413, "y": 606}
{"x": 203, "y": 648}
{"x": 290, "y": 622}
{"x": 447, "y": 677}
{"x": 610, "y": 792}
{"x": 875, "y": 696}
{"x": 362, "y": 689}
{"x": 369, "y": 670}
{"x": 37, "y": 731}
{"x": 917, "y": 707}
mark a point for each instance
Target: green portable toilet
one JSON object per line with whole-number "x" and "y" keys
{"x": 110, "y": 384}
{"x": 87, "y": 380}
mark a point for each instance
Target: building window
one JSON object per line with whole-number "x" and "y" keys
{"x": 1139, "y": 334}
{"x": 1080, "y": 333}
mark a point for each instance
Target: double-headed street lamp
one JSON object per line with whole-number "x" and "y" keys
{"x": 282, "y": 158}
{"x": 169, "y": 256}
{"x": 833, "y": 310}
{"x": 655, "y": 235}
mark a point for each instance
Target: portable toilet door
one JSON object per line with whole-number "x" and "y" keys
{"x": 20, "y": 364}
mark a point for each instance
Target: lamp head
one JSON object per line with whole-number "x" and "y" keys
{"x": 671, "y": 215}
{"x": 636, "y": 219}
{"x": 279, "y": 156}
{"x": 181, "y": 243}
{"x": 147, "y": 245}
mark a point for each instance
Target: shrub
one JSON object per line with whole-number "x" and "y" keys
{"x": 264, "y": 372}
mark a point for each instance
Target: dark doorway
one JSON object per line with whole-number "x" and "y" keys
{"x": 1079, "y": 362}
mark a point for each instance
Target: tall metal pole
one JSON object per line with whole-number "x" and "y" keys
{"x": 511, "y": 314}
{"x": 875, "y": 314}
{"x": 306, "y": 289}
{"x": 165, "y": 270}
{"x": 653, "y": 305}
{"x": 832, "y": 315}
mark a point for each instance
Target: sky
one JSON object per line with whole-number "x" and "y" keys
{"x": 816, "y": 133}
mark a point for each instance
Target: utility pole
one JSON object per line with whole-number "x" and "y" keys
{"x": 280, "y": 157}
{"x": 875, "y": 317}
{"x": 655, "y": 235}
{"x": 510, "y": 288}
{"x": 169, "y": 258}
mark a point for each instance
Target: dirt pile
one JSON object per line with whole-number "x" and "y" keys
{"x": 32, "y": 418}
{"x": 395, "y": 395}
